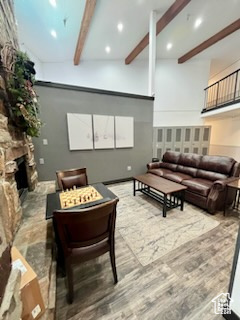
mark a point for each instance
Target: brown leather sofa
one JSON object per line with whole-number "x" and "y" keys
{"x": 204, "y": 176}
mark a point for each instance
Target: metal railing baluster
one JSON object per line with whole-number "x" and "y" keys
{"x": 223, "y": 92}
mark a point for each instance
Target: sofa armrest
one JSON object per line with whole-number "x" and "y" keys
{"x": 217, "y": 195}
{"x": 221, "y": 184}
{"x": 153, "y": 165}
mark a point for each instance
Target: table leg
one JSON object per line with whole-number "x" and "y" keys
{"x": 225, "y": 202}
{"x": 165, "y": 206}
{"x": 238, "y": 199}
{"x": 182, "y": 199}
{"x": 134, "y": 187}
{"x": 60, "y": 255}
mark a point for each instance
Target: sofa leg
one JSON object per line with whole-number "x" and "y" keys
{"x": 182, "y": 199}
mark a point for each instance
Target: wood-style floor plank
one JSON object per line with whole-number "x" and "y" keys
{"x": 177, "y": 286}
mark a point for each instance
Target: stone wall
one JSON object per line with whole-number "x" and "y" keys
{"x": 8, "y": 25}
{"x": 13, "y": 145}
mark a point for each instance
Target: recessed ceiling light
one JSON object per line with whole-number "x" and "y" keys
{"x": 169, "y": 46}
{"x": 53, "y": 33}
{"x": 197, "y": 23}
{"x": 120, "y": 27}
{"x": 107, "y": 49}
{"x": 53, "y": 3}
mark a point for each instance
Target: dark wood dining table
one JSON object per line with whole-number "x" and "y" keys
{"x": 53, "y": 201}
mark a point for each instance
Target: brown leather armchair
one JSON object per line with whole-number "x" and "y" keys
{"x": 86, "y": 234}
{"x": 72, "y": 177}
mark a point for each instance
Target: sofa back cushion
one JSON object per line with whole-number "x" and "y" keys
{"x": 171, "y": 157}
{"x": 189, "y": 160}
{"x": 170, "y": 166}
{"x": 219, "y": 164}
{"x": 187, "y": 170}
{"x": 210, "y": 175}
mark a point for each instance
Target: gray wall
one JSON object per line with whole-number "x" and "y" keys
{"x": 102, "y": 165}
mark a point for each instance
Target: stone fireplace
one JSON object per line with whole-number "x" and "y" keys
{"x": 16, "y": 150}
{"x": 17, "y": 173}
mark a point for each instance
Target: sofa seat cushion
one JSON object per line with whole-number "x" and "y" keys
{"x": 177, "y": 176}
{"x": 159, "y": 172}
{"x": 198, "y": 185}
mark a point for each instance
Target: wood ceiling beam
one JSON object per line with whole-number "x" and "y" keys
{"x": 86, "y": 21}
{"x": 168, "y": 16}
{"x": 209, "y": 42}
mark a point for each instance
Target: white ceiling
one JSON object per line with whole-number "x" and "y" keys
{"x": 36, "y": 19}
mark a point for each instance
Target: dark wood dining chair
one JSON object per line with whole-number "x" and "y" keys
{"x": 86, "y": 234}
{"x": 72, "y": 177}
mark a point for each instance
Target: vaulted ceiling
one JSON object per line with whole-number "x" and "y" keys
{"x": 37, "y": 18}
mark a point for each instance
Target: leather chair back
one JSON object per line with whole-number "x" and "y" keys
{"x": 84, "y": 235}
{"x": 72, "y": 177}
{"x": 86, "y": 227}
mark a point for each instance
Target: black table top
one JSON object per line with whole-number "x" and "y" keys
{"x": 53, "y": 201}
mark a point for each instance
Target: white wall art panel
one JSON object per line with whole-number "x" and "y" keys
{"x": 103, "y": 127}
{"x": 80, "y": 133}
{"x": 124, "y": 129}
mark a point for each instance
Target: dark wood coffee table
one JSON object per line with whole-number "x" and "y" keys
{"x": 170, "y": 194}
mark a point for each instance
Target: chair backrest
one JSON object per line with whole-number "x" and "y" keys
{"x": 72, "y": 177}
{"x": 86, "y": 227}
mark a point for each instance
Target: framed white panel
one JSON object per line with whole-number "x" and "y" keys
{"x": 103, "y": 127}
{"x": 80, "y": 132}
{"x": 124, "y": 129}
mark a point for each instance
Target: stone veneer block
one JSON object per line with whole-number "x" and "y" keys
{"x": 5, "y": 137}
{"x": 5, "y": 261}
{"x": 2, "y": 163}
{"x": 2, "y": 108}
{"x": 5, "y": 269}
{"x": 3, "y": 122}
{"x": 8, "y": 24}
{"x": 5, "y": 220}
{"x": 10, "y": 167}
{"x": 10, "y": 217}
{"x": 15, "y": 152}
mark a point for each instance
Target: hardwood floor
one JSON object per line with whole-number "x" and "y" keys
{"x": 178, "y": 286}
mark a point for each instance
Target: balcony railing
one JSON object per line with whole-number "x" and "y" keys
{"x": 223, "y": 92}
